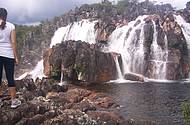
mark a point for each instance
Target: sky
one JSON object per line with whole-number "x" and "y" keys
{"x": 32, "y": 11}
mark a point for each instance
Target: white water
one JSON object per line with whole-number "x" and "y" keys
{"x": 159, "y": 56}
{"x": 22, "y": 76}
{"x": 185, "y": 28}
{"x": 119, "y": 73}
{"x": 132, "y": 51}
{"x": 82, "y": 30}
{"x": 130, "y": 48}
{"x": 38, "y": 71}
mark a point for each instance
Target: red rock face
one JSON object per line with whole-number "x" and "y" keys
{"x": 81, "y": 60}
{"x": 47, "y": 67}
{"x": 103, "y": 31}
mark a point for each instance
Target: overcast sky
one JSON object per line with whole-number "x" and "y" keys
{"x": 28, "y": 11}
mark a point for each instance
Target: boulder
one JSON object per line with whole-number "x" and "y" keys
{"x": 134, "y": 77}
{"x": 80, "y": 61}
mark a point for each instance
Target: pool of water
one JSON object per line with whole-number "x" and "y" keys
{"x": 159, "y": 102}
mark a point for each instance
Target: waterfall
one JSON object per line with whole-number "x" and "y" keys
{"x": 128, "y": 41}
{"x": 82, "y": 30}
{"x": 125, "y": 41}
{"x": 185, "y": 28}
{"x": 62, "y": 73}
{"x": 159, "y": 56}
{"x": 119, "y": 73}
{"x": 38, "y": 71}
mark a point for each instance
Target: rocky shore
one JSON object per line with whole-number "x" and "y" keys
{"x": 45, "y": 102}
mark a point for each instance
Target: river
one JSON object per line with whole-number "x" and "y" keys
{"x": 158, "y": 102}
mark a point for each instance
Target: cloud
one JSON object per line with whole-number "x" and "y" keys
{"x": 179, "y": 4}
{"x": 29, "y": 11}
{"x": 22, "y": 11}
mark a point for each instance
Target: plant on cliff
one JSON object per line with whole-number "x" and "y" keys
{"x": 22, "y": 34}
{"x": 28, "y": 39}
{"x": 186, "y": 111}
{"x": 56, "y": 72}
{"x": 80, "y": 69}
{"x": 122, "y": 5}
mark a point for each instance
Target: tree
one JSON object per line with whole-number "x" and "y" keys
{"x": 188, "y": 5}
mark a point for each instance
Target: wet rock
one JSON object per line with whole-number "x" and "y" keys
{"x": 71, "y": 117}
{"x": 85, "y": 105}
{"x": 148, "y": 37}
{"x": 76, "y": 95}
{"x": 59, "y": 88}
{"x": 103, "y": 31}
{"x": 134, "y": 77}
{"x": 26, "y": 84}
{"x": 175, "y": 69}
{"x": 81, "y": 60}
{"x": 101, "y": 100}
{"x": 106, "y": 118}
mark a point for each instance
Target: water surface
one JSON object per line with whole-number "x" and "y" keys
{"x": 159, "y": 102}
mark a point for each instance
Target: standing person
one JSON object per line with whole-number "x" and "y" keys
{"x": 8, "y": 55}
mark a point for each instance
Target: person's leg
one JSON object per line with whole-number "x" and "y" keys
{"x": 9, "y": 71}
{"x": 1, "y": 74}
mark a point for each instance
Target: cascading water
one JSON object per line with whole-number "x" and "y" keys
{"x": 159, "y": 56}
{"x": 119, "y": 73}
{"x": 125, "y": 41}
{"x": 82, "y": 30}
{"x": 128, "y": 42}
{"x": 185, "y": 28}
{"x": 37, "y": 72}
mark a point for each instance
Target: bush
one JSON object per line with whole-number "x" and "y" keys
{"x": 186, "y": 111}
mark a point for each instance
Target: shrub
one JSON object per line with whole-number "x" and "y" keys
{"x": 186, "y": 111}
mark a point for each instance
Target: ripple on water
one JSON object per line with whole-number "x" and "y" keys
{"x": 155, "y": 101}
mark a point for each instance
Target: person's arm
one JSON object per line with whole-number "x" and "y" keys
{"x": 14, "y": 45}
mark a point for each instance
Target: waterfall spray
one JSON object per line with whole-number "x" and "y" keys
{"x": 159, "y": 56}
{"x": 125, "y": 41}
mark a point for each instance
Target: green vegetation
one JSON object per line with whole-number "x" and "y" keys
{"x": 80, "y": 69}
{"x": 186, "y": 111}
{"x": 122, "y": 5}
{"x": 31, "y": 40}
{"x": 22, "y": 33}
{"x": 56, "y": 71}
